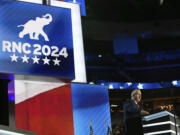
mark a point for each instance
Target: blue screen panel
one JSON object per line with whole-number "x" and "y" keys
{"x": 90, "y": 103}
{"x": 36, "y": 39}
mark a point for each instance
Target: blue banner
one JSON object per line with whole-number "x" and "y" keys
{"x": 36, "y": 40}
{"x": 140, "y": 85}
{"x": 91, "y": 109}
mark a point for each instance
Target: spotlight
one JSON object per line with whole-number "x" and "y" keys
{"x": 161, "y": 2}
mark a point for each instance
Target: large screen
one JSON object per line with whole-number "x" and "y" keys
{"x": 36, "y": 40}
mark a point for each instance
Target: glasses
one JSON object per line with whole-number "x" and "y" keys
{"x": 137, "y": 94}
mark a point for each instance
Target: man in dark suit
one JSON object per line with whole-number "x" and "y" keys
{"x": 132, "y": 114}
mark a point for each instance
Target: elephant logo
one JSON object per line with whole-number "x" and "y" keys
{"x": 35, "y": 27}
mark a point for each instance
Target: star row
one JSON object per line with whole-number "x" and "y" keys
{"x": 35, "y": 59}
{"x": 139, "y": 86}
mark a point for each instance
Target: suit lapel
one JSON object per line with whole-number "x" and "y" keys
{"x": 135, "y": 104}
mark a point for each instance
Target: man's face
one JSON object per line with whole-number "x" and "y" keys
{"x": 137, "y": 96}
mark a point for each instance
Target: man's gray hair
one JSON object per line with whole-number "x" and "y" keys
{"x": 134, "y": 92}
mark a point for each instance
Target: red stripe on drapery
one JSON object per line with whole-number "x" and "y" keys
{"x": 48, "y": 113}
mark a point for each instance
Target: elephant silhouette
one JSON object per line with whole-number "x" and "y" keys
{"x": 35, "y": 27}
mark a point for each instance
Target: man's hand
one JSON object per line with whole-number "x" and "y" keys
{"x": 144, "y": 112}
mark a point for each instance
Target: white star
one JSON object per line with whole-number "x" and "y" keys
{"x": 56, "y": 62}
{"x": 36, "y": 60}
{"x": 121, "y": 87}
{"x": 102, "y": 84}
{"x": 174, "y": 82}
{"x": 91, "y": 83}
{"x": 129, "y": 83}
{"x": 25, "y": 59}
{"x": 140, "y": 86}
{"x": 110, "y": 86}
{"x": 46, "y": 61}
{"x": 14, "y": 58}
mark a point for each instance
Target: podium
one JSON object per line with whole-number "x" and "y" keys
{"x": 161, "y": 123}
